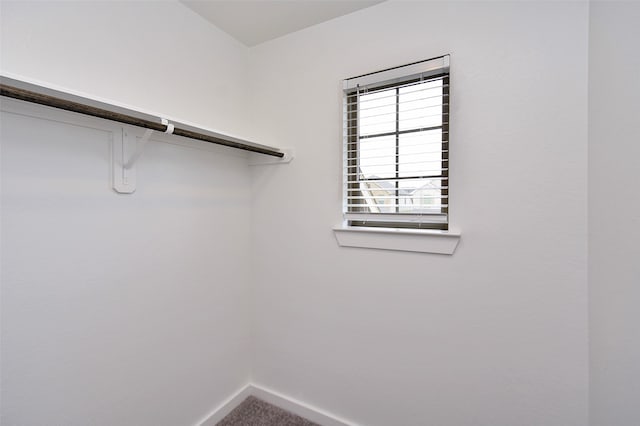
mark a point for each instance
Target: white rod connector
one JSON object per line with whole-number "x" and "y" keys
{"x": 170, "y": 126}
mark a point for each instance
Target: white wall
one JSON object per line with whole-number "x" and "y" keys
{"x": 122, "y": 309}
{"x": 157, "y": 56}
{"x": 133, "y": 309}
{"x": 495, "y": 334}
{"x": 614, "y": 213}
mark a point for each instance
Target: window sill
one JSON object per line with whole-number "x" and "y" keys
{"x": 415, "y": 240}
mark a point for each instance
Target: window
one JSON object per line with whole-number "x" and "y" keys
{"x": 396, "y": 147}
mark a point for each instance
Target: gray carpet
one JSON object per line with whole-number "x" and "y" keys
{"x": 255, "y": 412}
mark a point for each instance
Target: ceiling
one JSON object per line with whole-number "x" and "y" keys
{"x": 254, "y": 22}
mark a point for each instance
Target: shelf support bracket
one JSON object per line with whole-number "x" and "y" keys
{"x": 138, "y": 149}
{"x": 127, "y": 149}
{"x": 123, "y": 168}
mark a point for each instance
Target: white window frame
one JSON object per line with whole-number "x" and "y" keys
{"x": 421, "y": 233}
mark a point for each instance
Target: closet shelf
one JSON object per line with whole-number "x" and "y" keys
{"x": 43, "y": 95}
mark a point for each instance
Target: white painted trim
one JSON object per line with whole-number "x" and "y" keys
{"x": 422, "y": 241}
{"x": 226, "y": 407}
{"x": 300, "y": 408}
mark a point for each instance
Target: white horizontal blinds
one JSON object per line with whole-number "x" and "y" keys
{"x": 396, "y": 153}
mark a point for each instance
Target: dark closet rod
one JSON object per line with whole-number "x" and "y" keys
{"x": 52, "y": 101}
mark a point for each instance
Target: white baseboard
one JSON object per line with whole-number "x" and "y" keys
{"x": 300, "y": 408}
{"x": 279, "y": 400}
{"x": 226, "y": 407}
